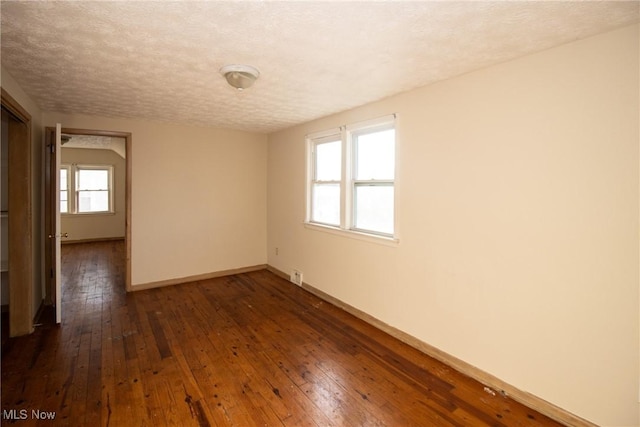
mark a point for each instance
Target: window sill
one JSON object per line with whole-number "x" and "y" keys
{"x": 79, "y": 214}
{"x": 372, "y": 238}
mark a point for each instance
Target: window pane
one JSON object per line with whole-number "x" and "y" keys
{"x": 64, "y": 201}
{"x": 89, "y": 179}
{"x": 64, "y": 186}
{"x": 93, "y": 201}
{"x": 375, "y": 155}
{"x": 328, "y": 161}
{"x": 63, "y": 179}
{"x": 326, "y": 204}
{"x": 373, "y": 205}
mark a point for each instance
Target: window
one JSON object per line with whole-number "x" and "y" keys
{"x": 327, "y": 180}
{"x": 351, "y": 173}
{"x": 91, "y": 186}
{"x": 64, "y": 189}
{"x": 93, "y": 189}
{"x": 373, "y": 179}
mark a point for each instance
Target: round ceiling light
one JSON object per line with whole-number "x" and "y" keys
{"x": 240, "y": 76}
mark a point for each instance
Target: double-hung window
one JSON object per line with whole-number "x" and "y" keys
{"x": 351, "y": 172}
{"x": 64, "y": 189}
{"x": 373, "y": 179}
{"x": 91, "y": 187}
{"x": 326, "y": 181}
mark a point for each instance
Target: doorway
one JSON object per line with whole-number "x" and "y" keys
{"x": 17, "y": 237}
{"x": 52, "y": 177}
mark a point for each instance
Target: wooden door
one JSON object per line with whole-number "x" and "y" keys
{"x": 57, "y": 236}
{"x": 20, "y": 227}
{"x": 52, "y": 219}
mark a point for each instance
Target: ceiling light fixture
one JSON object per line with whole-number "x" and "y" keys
{"x": 240, "y": 76}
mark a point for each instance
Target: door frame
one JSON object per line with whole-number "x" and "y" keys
{"x": 49, "y": 188}
{"x": 20, "y": 228}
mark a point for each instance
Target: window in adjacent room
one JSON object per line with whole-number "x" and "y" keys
{"x": 351, "y": 173}
{"x": 64, "y": 189}
{"x": 91, "y": 188}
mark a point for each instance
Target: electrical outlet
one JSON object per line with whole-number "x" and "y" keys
{"x": 277, "y": 251}
{"x": 296, "y": 277}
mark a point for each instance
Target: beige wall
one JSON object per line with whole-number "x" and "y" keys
{"x": 198, "y": 196}
{"x": 518, "y": 193}
{"x": 517, "y": 204}
{"x": 98, "y": 226}
{"x": 37, "y": 153}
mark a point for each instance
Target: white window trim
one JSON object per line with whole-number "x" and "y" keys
{"x": 354, "y": 234}
{"x": 347, "y": 182}
{"x": 73, "y": 192}
{"x": 313, "y": 141}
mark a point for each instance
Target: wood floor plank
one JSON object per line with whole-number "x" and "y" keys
{"x": 245, "y": 350}
{"x": 107, "y": 366}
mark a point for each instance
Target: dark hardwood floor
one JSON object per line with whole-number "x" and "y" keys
{"x": 244, "y": 350}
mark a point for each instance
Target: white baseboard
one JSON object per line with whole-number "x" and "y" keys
{"x": 196, "y": 278}
{"x": 546, "y": 408}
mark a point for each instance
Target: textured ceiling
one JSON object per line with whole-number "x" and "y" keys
{"x": 96, "y": 142}
{"x": 160, "y": 60}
